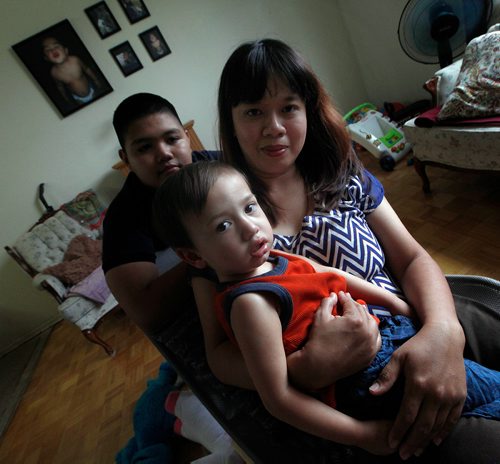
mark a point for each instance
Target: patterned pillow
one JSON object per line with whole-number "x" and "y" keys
{"x": 86, "y": 208}
{"x": 45, "y": 244}
{"x": 477, "y": 92}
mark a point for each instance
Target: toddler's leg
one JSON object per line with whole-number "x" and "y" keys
{"x": 483, "y": 391}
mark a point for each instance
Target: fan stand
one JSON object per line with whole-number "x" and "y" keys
{"x": 444, "y": 25}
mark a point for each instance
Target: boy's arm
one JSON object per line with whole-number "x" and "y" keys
{"x": 313, "y": 366}
{"x": 151, "y": 300}
{"x": 370, "y": 293}
{"x": 223, "y": 357}
{"x": 257, "y": 328}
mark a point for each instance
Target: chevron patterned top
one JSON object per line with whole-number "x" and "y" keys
{"x": 342, "y": 238}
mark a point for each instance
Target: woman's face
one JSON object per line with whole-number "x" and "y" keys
{"x": 272, "y": 131}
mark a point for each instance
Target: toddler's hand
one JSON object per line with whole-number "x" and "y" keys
{"x": 375, "y": 437}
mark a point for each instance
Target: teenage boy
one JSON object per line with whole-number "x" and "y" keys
{"x": 142, "y": 272}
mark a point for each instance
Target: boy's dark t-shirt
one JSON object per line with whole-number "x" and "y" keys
{"x": 128, "y": 234}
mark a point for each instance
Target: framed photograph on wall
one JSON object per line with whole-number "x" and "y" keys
{"x": 135, "y": 10}
{"x": 103, "y": 20}
{"x": 63, "y": 67}
{"x": 155, "y": 43}
{"x": 126, "y": 59}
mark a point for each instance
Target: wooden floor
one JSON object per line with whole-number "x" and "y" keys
{"x": 78, "y": 407}
{"x": 458, "y": 223}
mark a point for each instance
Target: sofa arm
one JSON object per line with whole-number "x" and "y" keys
{"x": 52, "y": 284}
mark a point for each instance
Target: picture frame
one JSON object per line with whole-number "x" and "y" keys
{"x": 135, "y": 10}
{"x": 102, "y": 19}
{"x": 126, "y": 58}
{"x": 54, "y": 56}
{"x": 155, "y": 43}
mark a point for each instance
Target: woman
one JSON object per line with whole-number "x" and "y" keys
{"x": 277, "y": 124}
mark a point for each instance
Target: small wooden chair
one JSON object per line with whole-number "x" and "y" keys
{"x": 44, "y": 245}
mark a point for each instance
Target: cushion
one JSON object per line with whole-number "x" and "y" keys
{"x": 431, "y": 86}
{"x": 477, "y": 92}
{"x": 93, "y": 287}
{"x": 82, "y": 257}
{"x": 86, "y": 209}
{"x": 446, "y": 81}
{"x": 44, "y": 245}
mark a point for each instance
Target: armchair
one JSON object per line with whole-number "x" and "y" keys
{"x": 462, "y": 131}
{"x": 44, "y": 246}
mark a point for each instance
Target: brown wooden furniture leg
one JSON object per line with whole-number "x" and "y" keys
{"x": 420, "y": 168}
{"x": 91, "y": 335}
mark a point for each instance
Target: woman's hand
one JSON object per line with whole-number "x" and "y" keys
{"x": 435, "y": 388}
{"x": 432, "y": 361}
{"x": 337, "y": 347}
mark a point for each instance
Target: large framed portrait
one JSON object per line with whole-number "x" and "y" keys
{"x": 103, "y": 20}
{"x": 135, "y": 10}
{"x": 63, "y": 67}
{"x": 155, "y": 43}
{"x": 126, "y": 59}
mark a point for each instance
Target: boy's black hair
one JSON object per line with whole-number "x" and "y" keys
{"x": 137, "y": 106}
{"x": 182, "y": 193}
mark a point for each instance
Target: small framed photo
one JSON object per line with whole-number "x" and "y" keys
{"x": 126, "y": 59}
{"x": 155, "y": 43}
{"x": 63, "y": 67}
{"x": 103, "y": 20}
{"x": 135, "y": 10}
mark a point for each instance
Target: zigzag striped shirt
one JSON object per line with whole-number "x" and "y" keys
{"x": 342, "y": 238}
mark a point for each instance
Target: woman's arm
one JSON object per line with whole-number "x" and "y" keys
{"x": 432, "y": 360}
{"x": 257, "y": 328}
{"x": 356, "y": 337}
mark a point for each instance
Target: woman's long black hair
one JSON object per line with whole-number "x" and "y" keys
{"x": 327, "y": 159}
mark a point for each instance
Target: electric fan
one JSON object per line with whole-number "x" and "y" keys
{"x": 437, "y": 31}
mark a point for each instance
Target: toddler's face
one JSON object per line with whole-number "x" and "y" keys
{"x": 54, "y": 51}
{"x": 232, "y": 234}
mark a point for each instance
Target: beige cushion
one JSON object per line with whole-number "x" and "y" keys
{"x": 447, "y": 79}
{"x": 46, "y": 243}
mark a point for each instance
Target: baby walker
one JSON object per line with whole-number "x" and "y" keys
{"x": 377, "y": 134}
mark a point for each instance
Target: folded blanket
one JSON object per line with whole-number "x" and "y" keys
{"x": 429, "y": 119}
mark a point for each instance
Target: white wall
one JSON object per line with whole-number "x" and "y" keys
{"x": 388, "y": 73}
{"x": 75, "y": 153}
